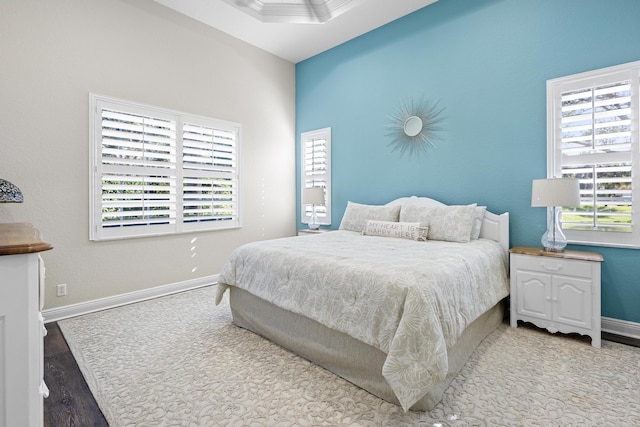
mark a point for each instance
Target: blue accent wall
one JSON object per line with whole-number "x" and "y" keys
{"x": 487, "y": 62}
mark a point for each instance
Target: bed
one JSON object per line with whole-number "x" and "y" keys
{"x": 395, "y": 301}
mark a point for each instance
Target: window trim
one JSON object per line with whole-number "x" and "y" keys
{"x": 555, "y": 88}
{"x": 96, "y": 230}
{"x": 324, "y": 133}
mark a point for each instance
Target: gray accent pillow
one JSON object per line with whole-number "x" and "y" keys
{"x": 448, "y": 223}
{"x": 356, "y": 215}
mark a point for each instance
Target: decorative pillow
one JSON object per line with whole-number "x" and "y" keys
{"x": 402, "y": 230}
{"x": 477, "y": 222}
{"x": 414, "y": 213}
{"x": 356, "y": 215}
{"x": 449, "y": 223}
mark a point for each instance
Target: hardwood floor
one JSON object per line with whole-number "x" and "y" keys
{"x": 621, "y": 339}
{"x": 70, "y": 403}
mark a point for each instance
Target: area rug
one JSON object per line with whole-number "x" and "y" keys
{"x": 178, "y": 361}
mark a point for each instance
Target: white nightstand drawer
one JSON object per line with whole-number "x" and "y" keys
{"x": 552, "y": 265}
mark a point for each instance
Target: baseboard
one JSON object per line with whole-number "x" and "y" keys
{"x": 72, "y": 310}
{"x": 621, "y": 327}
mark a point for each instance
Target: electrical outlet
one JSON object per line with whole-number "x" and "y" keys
{"x": 61, "y": 290}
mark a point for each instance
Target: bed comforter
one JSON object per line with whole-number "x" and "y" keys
{"x": 410, "y": 299}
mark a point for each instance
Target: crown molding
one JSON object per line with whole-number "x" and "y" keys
{"x": 294, "y": 12}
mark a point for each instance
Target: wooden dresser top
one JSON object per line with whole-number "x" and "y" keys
{"x": 21, "y": 238}
{"x": 567, "y": 254}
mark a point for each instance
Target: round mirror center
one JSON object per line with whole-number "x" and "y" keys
{"x": 413, "y": 126}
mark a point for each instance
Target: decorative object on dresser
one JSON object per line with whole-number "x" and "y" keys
{"x": 313, "y": 196}
{"x": 555, "y": 193}
{"x": 22, "y": 387}
{"x": 9, "y": 193}
{"x": 559, "y": 291}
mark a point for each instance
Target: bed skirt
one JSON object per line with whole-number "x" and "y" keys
{"x": 351, "y": 359}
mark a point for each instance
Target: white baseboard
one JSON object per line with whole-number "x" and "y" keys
{"x": 72, "y": 310}
{"x": 621, "y": 327}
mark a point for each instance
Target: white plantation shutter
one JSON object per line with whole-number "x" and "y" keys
{"x": 593, "y": 136}
{"x": 158, "y": 171}
{"x": 138, "y": 170}
{"x": 210, "y": 174}
{"x": 316, "y": 171}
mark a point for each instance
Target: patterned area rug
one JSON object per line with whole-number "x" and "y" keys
{"x": 178, "y": 361}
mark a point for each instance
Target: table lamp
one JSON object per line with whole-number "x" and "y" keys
{"x": 555, "y": 193}
{"x": 313, "y": 196}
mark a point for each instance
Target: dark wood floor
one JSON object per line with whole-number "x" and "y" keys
{"x": 619, "y": 338}
{"x": 71, "y": 404}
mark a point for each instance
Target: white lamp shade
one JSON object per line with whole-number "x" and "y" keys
{"x": 313, "y": 196}
{"x": 555, "y": 192}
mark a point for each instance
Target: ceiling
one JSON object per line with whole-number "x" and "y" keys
{"x": 295, "y": 42}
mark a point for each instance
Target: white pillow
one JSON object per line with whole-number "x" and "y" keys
{"x": 449, "y": 223}
{"x": 356, "y": 215}
{"x": 477, "y": 222}
{"x": 402, "y": 230}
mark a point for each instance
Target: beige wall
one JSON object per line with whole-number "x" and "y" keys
{"x": 53, "y": 53}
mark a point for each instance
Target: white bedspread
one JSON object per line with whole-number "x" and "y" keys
{"x": 410, "y": 299}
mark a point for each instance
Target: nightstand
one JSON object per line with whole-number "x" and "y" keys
{"x": 309, "y": 231}
{"x": 559, "y": 291}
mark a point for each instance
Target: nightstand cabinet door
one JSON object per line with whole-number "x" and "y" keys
{"x": 533, "y": 294}
{"x": 572, "y": 301}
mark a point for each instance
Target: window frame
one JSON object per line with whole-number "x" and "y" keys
{"x": 100, "y": 230}
{"x": 324, "y": 214}
{"x": 593, "y": 79}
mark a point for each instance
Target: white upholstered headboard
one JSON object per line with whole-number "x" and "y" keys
{"x": 496, "y": 227}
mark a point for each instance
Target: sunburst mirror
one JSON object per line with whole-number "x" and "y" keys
{"x": 414, "y": 126}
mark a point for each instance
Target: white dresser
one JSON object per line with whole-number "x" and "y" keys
{"x": 22, "y": 386}
{"x": 559, "y": 291}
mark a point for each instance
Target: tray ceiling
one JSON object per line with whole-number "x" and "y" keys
{"x": 277, "y": 26}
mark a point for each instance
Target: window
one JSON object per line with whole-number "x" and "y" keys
{"x": 156, "y": 171}
{"x": 593, "y": 136}
{"x": 316, "y": 171}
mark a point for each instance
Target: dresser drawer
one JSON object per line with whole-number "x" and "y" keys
{"x": 546, "y": 264}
